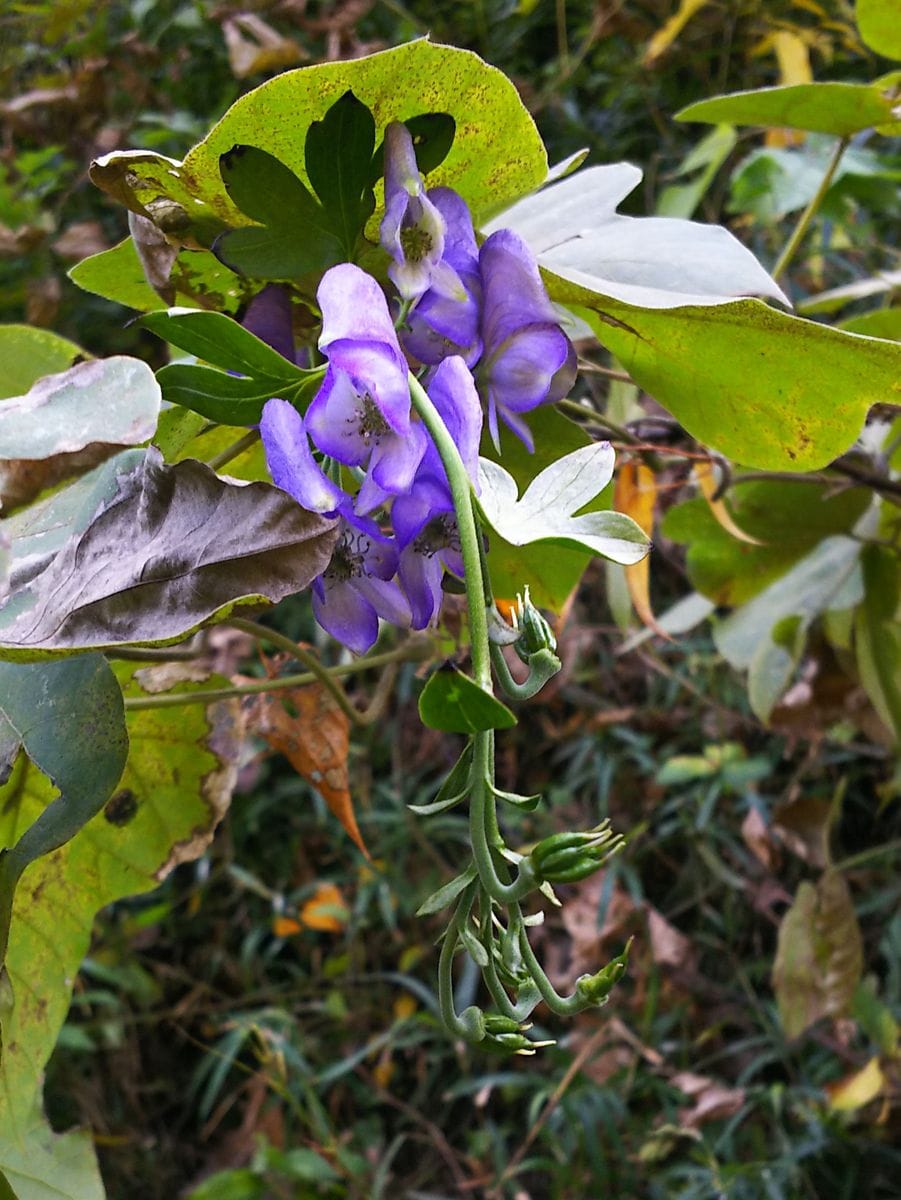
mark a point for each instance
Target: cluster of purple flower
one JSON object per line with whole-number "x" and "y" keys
{"x": 474, "y": 323}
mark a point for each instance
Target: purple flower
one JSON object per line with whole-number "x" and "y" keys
{"x": 357, "y": 587}
{"x": 361, "y": 414}
{"x": 268, "y": 316}
{"x": 445, "y": 321}
{"x": 528, "y": 360}
{"x": 412, "y": 229}
{"x": 424, "y": 518}
{"x": 291, "y": 463}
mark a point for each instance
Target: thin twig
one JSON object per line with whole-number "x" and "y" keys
{"x": 791, "y": 246}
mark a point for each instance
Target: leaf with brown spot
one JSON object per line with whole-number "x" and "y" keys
{"x": 315, "y": 739}
{"x": 819, "y": 956}
{"x": 179, "y": 776}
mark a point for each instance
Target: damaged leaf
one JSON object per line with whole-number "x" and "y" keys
{"x": 167, "y": 549}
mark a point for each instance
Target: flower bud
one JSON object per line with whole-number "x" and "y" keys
{"x": 507, "y": 1036}
{"x": 570, "y": 857}
{"x": 535, "y": 633}
{"x": 594, "y": 989}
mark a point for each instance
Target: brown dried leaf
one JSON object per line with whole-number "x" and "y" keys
{"x": 635, "y": 494}
{"x": 315, "y": 740}
{"x": 669, "y": 947}
{"x": 803, "y": 826}
{"x": 819, "y": 956}
{"x": 80, "y": 240}
{"x": 712, "y": 1101}
{"x": 758, "y": 837}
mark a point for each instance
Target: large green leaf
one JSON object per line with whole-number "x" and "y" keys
{"x": 454, "y": 703}
{"x": 27, "y": 354}
{"x": 218, "y": 339}
{"x": 842, "y": 109}
{"x": 497, "y": 155}
{"x": 766, "y": 389}
{"x": 175, "y": 788}
{"x": 168, "y": 549}
{"x": 879, "y": 25}
{"x": 111, "y": 401}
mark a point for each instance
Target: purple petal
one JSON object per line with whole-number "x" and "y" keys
{"x": 333, "y": 419}
{"x": 428, "y": 497}
{"x": 354, "y": 308}
{"x": 269, "y": 317}
{"x": 377, "y": 372}
{"x": 420, "y": 576}
{"x": 290, "y": 459}
{"x": 454, "y": 394}
{"x": 412, "y": 229}
{"x": 513, "y": 293}
{"x": 395, "y": 459}
{"x": 520, "y": 372}
{"x": 461, "y": 250}
{"x": 347, "y": 615}
{"x": 387, "y": 599}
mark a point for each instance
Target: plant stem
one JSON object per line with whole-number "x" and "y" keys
{"x": 791, "y": 246}
{"x": 234, "y": 450}
{"x": 411, "y": 651}
{"x": 470, "y": 548}
{"x": 303, "y": 656}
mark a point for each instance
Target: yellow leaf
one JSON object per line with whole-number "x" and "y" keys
{"x": 856, "y": 1089}
{"x": 383, "y": 1070}
{"x": 707, "y": 483}
{"x": 667, "y": 34}
{"x": 404, "y": 1006}
{"x": 635, "y": 494}
{"x": 793, "y": 58}
{"x": 326, "y": 910}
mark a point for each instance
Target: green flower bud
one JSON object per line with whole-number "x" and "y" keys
{"x": 535, "y": 633}
{"x": 596, "y": 988}
{"x": 504, "y": 1035}
{"x": 571, "y": 857}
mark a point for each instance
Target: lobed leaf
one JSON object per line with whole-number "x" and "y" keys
{"x": 220, "y": 340}
{"x": 545, "y": 512}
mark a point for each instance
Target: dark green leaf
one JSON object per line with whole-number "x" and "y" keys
{"x": 217, "y": 395}
{"x": 877, "y": 638}
{"x": 337, "y": 155}
{"x": 267, "y": 191}
{"x": 453, "y": 790}
{"x": 221, "y": 341}
{"x": 261, "y": 252}
{"x": 171, "y": 549}
{"x": 454, "y": 703}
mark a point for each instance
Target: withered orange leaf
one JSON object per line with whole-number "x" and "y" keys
{"x": 307, "y": 726}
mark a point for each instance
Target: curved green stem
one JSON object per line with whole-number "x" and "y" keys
{"x": 564, "y": 1006}
{"x": 469, "y": 1025}
{"x": 482, "y": 820}
{"x": 543, "y": 666}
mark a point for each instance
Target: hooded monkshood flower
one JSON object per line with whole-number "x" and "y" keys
{"x": 357, "y": 587}
{"x": 412, "y": 229}
{"x": 445, "y": 321}
{"x": 527, "y": 360}
{"x": 361, "y": 414}
{"x": 268, "y": 316}
{"x": 424, "y": 518}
